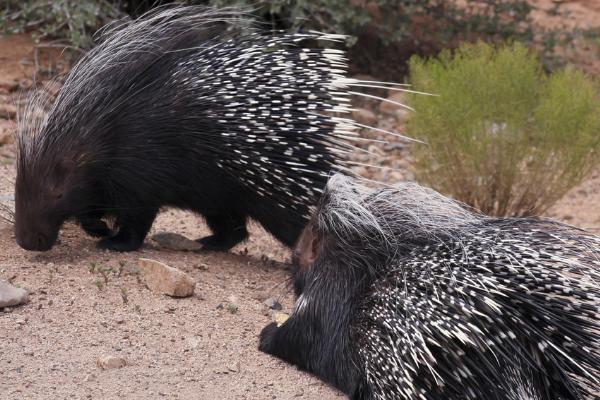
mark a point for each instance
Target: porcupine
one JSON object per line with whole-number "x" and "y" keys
{"x": 406, "y": 294}
{"x": 186, "y": 107}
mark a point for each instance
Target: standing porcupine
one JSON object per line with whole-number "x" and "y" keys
{"x": 186, "y": 108}
{"x": 404, "y": 294}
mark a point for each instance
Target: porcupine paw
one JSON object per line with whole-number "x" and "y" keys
{"x": 120, "y": 243}
{"x": 267, "y": 338}
{"x": 96, "y": 228}
{"x": 222, "y": 243}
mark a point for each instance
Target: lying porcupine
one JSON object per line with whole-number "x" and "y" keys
{"x": 186, "y": 107}
{"x": 405, "y": 294}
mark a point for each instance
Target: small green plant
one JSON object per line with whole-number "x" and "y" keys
{"x": 232, "y": 308}
{"x": 502, "y": 136}
{"x": 124, "y": 295}
{"x": 102, "y": 270}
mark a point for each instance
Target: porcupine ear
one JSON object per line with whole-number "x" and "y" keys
{"x": 307, "y": 248}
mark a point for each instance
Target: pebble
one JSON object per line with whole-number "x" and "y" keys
{"x": 175, "y": 241}
{"x": 8, "y": 111}
{"x": 111, "y": 362}
{"x": 279, "y": 318}
{"x": 8, "y": 85}
{"x": 235, "y": 367}
{"x": 273, "y": 304}
{"x": 11, "y": 295}
{"x": 387, "y": 107}
{"x": 89, "y": 378}
{"x": 6, "y": 132}
{"x": 163, "y": 279}
{"x": 364, "y": 116}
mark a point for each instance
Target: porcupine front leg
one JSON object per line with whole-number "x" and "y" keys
{"x": 133, "y": 228}
{"x": 93, "y": 225}
{"x": 287, "y": 342}
{"x": 303, "y": 341}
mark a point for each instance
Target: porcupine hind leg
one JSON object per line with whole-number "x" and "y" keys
{"x": 282, "y": 223}
{"x": 133, "y": 228}
{"x": 228, "y": 230}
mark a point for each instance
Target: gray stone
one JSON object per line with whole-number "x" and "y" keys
{"x": 11, "y": 295}
{"x": 175, "y": 241}
{"x": 273, "y": 304}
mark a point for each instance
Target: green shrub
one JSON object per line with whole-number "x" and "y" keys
{"x": 385, "y": 33}
{"x": 73, "y": 20}
{"x": 503, "y": 136}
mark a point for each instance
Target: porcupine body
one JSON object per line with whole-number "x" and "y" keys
{"x": 185, "y": 108}
{"x": 405, "y": 294}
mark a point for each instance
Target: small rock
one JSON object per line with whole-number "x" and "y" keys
{"x": 111, "y": 362}
{"x": 8, "y": 111}
{"x": 28, "y": 84}
{"x": 389, "y": 106}
{"x": 11, "y": 295}
{"x": 6, "y": 131}
{"x": 273, "y": 304}
{"x": 235, "y": 367}
{"x": 279, "y": 318}
{"x": 364, "y": 116}
{"x": 192, "y": 344}
{"x": 175, "y": 241}
{"x": 160, "y": 278}
{"x": 8, "y": 85}
{"x": 202, "y": 266}
{"x": 402, "y": 114}
{"x": 89, "y": 378}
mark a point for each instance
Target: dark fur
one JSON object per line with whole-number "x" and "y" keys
{"x": 339, "y": 273}
{"x": 129, "y": 142}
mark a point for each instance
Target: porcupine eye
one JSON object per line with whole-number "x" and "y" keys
{"x": 62, "y": 174}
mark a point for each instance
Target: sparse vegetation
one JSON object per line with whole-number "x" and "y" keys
{"x": 392, "y": 29}
{"x": 502, "y": 136}
{"x": 76, "y": 21}
{"x": 232, "y": 308}
{"x": 99, "y": 285}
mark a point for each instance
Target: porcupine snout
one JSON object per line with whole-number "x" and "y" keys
{"x": 40, "y": 239}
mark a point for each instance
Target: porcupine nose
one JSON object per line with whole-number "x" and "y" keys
{"x": 34, "y": 242}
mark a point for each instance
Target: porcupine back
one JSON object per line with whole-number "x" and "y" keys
{"x": 186, "y": 106}
{"x": 466, "y": 306}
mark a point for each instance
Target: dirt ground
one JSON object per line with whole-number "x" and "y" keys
{"x": 193, "y": 348}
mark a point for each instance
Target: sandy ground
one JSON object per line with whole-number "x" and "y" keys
{"x": 194, "y": 348}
